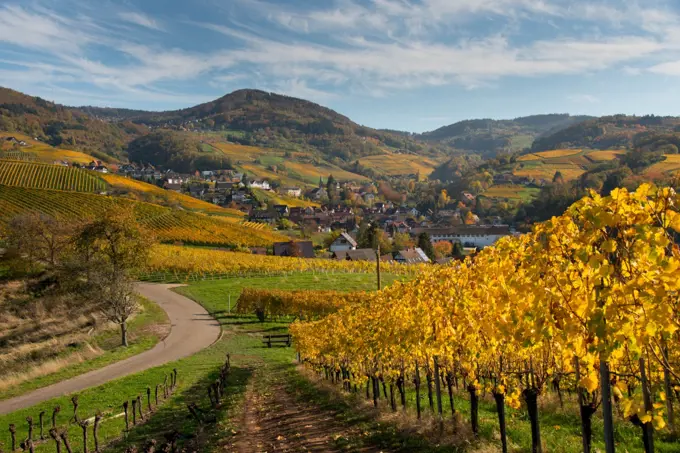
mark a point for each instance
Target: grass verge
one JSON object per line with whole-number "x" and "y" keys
{"x": 145, "y": 330}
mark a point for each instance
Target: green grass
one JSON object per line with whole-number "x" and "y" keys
{"x": 215, "y": 295}
{"x": 142, "y": 337}
{"x": 560, "y": 429}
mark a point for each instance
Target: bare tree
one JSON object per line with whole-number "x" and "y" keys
{"x": 118, "y": 302}
{"x": 39, "y": 238}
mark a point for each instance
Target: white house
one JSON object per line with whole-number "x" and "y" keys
{"x": 343, "y": 243}
{"x": 259, "y": 184}
{"x": 468, "y": 236}
{"x": 292, "y": 191}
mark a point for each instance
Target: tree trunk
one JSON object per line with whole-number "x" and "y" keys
{"x": 123, "y": 334}
{"x": 500, "y": 408}
{"x": 474, "y": 409}
{"x": 587, "y": 411}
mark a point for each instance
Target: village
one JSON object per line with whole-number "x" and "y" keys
{"x": 323, "y": 226}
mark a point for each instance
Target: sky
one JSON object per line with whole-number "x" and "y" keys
{"x": 411, "y": 65}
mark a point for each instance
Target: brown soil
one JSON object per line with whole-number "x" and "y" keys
{"x": 273, "y": 421}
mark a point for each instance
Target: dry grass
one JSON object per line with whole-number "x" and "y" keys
{"x": 606, "y": 155}
{"x": 558, "y": 153}
{"x": 400, "y": 164}
{"x": 547, "y": 172}
{"x": 669, "y": 165}
{"x": 48, "y": 367}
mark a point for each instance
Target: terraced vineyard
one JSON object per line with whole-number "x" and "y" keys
{"x": 168, "y": 225}
{"x": 156, "y": 195}
{"x": 45, "y": 176}
{"x": 43, "y": 152}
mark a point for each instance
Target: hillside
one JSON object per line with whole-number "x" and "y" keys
{"x": 168, "y": 225}
{"x": 619, "y": 131}
{"x": 253, "y": 117}
{"x": 489, "y": 137}
{"x": 62, "y": 126}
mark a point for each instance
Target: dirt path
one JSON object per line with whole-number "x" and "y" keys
{"x": 272, "y": 420}
{"x": 193, "y": 329}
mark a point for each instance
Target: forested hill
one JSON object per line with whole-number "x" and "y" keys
{"x": 488, "y": 136}
{"x": 59, "y": 125}
{"x": 618, "y": 131}
{"x": 272, "y": 120}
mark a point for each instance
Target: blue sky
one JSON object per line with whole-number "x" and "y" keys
{"x": 405, "y": 64}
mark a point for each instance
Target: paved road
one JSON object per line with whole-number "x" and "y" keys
{"x": 193, "y": 329}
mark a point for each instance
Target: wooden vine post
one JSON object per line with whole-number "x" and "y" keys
{"x": 13, "y": 435}
{"x": 84, "y": 426}
{"x": 127, "y": 419}
{"x": 416, "y": 382}
{"x": 41, "y": 417}
{"x": 438, "y": 391}
{"x": 95, "y": 431}
{"x": 54, "y": 416}
{"x": 55, "y": 435}
{"x": 647, "y": 428}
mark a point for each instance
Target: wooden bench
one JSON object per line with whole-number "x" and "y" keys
{"x": 277, "y": 339}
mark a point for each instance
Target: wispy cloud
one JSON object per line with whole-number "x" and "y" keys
{"x": 584, "y": 99}
{"x": 141, "y": 19}
{"x": 374, "y": 47}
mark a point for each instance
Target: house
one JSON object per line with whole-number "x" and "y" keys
{"x": 355, "y": 255}
{"x": 468, "y": 236}
{"x": 97, "y": 166}
{"x": 259, "y": 184}
{"x": 264, "y": 216}
{"x": 281, "y": 209}
{"x": 301, "y": 249}
{"x": 174, "y": 186}
{"x": 258, "y": 250}
{"x": 414, "y": 212}
{"x": 197, "y": 191}
{"x": 467, "y": 197}
{"x": 292, "y": 191}
{"x": 207, "y": 173}
{"x": 412, "y": 256}
{"x": 369, "y": 197}
{"x": 223, "y": 186}
{"x": 343, "y": 242}
{"x": 317, "y": 194}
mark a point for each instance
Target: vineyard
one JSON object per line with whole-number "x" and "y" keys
{"x": 302, "y": 304}
{"x": 46, "y": 176}
{"x": 181, "y": 263}
{"x": 43, "y": 152}
{"x": 168, "y": 225}
{"x": 586, "y": 302}
{"x": 154, "y": 194}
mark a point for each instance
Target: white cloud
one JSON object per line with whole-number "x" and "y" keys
{"x": 584, "y": 99}
{"x": 142, "y": 20}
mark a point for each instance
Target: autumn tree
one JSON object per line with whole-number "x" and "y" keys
{"x": 443, "y": 249}
{"x": 39, "y": 239}
{"x": 111, "y": 248}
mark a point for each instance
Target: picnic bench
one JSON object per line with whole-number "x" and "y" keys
{"x": 277, "y": 339}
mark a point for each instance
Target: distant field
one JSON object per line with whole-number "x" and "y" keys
{"x": 244, "y": 153}
{"x": 311, "y": 173}
{"x": 511, "y": 192}
{"x": 670, "y": 165}
{"x": 44, "y": 152}
{"x": 547, "y": 171}
{"x": 167, "y": 224}
{"x": 550, "y": 154}
{"x": 572, "y": 163}
{"x": 400, "y": 164}
{"x": 46, "y": 176}
{"x": 606, "y": 155}
{"x": 272, "y": 198}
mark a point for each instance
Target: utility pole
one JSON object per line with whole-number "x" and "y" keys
{"x": 377, "y": 256}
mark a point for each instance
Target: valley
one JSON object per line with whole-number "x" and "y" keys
{"x": 359, "y": 289}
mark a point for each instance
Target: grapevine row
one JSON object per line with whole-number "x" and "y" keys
{"x": 588, "y": 300}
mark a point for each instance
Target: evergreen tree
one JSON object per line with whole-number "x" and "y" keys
{"x": 425, "y": 244}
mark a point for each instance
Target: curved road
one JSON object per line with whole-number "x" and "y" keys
{"x": 193, "y": 329}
